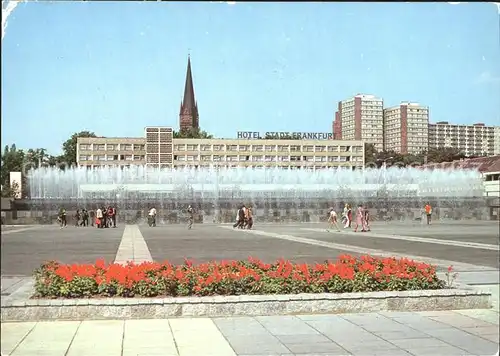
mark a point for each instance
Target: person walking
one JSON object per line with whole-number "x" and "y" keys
{"x": 152, "y": 217}
{"x": 85, "y": 218}
{"x": 240, "y": 217}
{"x": 113, "y": 216}
{"x": 428, "y": 213}
{"x": 190, "y": 212}
{"x": 62, "y": 217}
{"x": 99, "y": 218}
{"x": 347, "y": 216}
{"x": 249, "y": 218}
{"x": 77, "y": 217}
{"x": 332, "y": 220}
{"x": 367, "y": 219}
{"x": 360, "y": 219}
{"x": 92, "y": 217}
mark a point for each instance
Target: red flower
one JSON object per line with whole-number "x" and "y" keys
{"x": 230, "y": 277}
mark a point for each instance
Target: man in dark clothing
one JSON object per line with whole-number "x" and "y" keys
{"x": 112, "y": 216}
{"x": 92, "y": 217}
{"x": 62, "y": 217}
{"x": 85, "y": 218}
{"x": 190, "y": 212}
{"x": 241, "y": 218}
{"x": 104, "y": 222}
{"x": 249, "y": 218}
{"x": 77, "y": 217}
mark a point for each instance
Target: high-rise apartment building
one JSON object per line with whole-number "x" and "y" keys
{"x": 472, "y": 140}
{"x": 496, "y": 140}
{"x": 361, "y": 118}
{"x": 406, "y": 128}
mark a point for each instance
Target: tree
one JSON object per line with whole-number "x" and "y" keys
{"x": 12, "y": 161}
{"x": 69, "y": 146}
{"x": 11, "y": 190}
{"x": 370, "y": 153}
{"x": 446, "y": 154}
{"x": 34, "y": 158}
{"x": 192, "y": 133}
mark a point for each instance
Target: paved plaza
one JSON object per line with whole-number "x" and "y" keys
{"x": 465, "y": 244}
{"x": 466, "y": 332}
{"x": 471, "y": 247}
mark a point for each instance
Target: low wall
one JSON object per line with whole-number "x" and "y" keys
{"x": 44, "y": 211}
{"x": 22, "y": 309}
{"x": 229, "y": 216}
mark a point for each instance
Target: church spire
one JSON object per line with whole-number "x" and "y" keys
{"x": 189, "y": 109}
{"x": 189, "y": 101}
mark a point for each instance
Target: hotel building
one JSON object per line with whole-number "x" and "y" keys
{"x": 406, "y": 128}
{"x": 159, "y": 150}
{"x": 360, "y": 118}
{"x": 473, "y": 140}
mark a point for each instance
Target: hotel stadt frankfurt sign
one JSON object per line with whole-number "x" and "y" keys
{"x": 249, "y": 135}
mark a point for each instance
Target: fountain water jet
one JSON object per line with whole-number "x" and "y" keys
{"x": 276, "y": 194}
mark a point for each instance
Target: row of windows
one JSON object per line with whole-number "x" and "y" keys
{"x": 268, "y": 148}
{"x": 243, "y": 158}
{"x": 111, "y": 157}
{"x": 111, "y": 147}
{"x": 228, "y": 165}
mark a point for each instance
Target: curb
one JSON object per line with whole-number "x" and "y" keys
{"x": 247, "y": 305}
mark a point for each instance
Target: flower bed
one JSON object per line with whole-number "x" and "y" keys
{"x": 149, "y": 279}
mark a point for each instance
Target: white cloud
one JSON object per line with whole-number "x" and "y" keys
{"x": 487, "y": 77}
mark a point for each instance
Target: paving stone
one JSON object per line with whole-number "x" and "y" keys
{"x": 430, "y": 313}
{"x": 386, "y": 326}
{"x": 199, "y": 336}
{"x": 320, "y": 347}
{"x": 435, "y": 351}
{"x": 391, "y": 352}
{"x": 395, "y": 314}
{"x": 286, "y": 325}
{"x": 148, "y": 337}
{"x": 275, "y": 354}
{"x": 12, "y": 334}
{"x": 147, "y": 351}
{"x": 407, "y": 344}
{"x": 358, "y": 344}
{"x": 365, "y": 318}
{"x": 470, "y": 343}
{"x": 490, "y": 316}
{"x": 407, "y": 333}
{"x": 421, "y": 323}
{"x": 482, "y": 330}
{"x": 460, "y": 321}
{"x": 491, "y": 337}
{"x": 98, "y": 337}
{"x": 299, "y": 339}
{"x": 333, "y": 324}
{"x": 253, "y": 346}
{"x": 50, "y": 337}
{"x": 240, "y": 326}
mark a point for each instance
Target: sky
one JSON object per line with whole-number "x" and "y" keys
{"x": 116, "y": 67}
